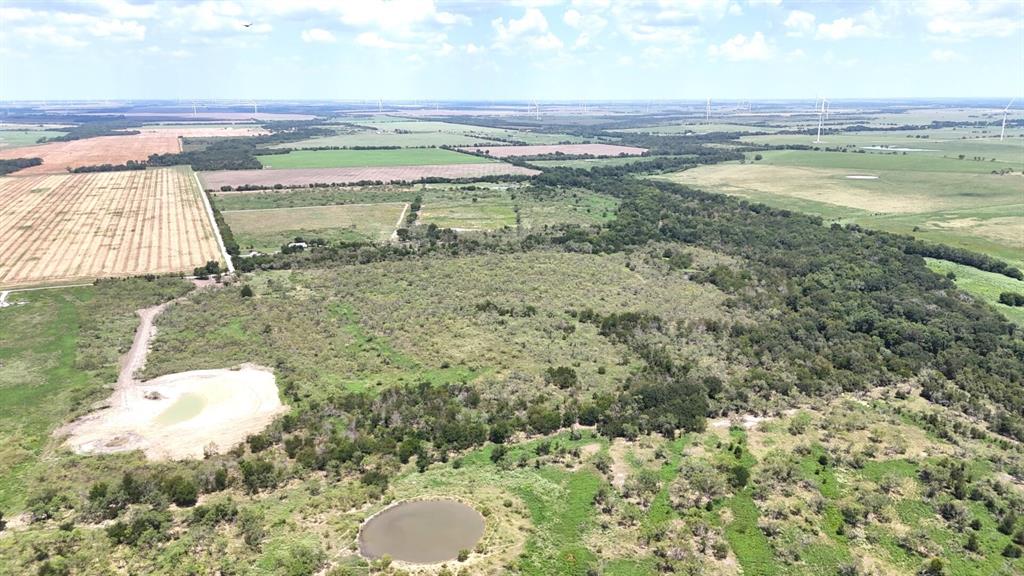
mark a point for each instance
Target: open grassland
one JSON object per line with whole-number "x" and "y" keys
{"x": 394, "y": 124}
{"x": 365, "y": 158}
{"x": 265, "y": 230}
{"x": 941, "y": 143}
{"x": 59, "y": 156}
{"x": 371, "y": 137}
{"x": 933, "y": 198}
{"x": 379, "y": 174}
{"x": 469, "y": 210}
{"x": 82, "y": 226}
{"x": 324, "y": 196}
{"x": 568, "y": 149}
{"x": 24, "y": 138}
{"x": 984, "y": 285}
{"x": 59, "y": 352}
{"x": 588, "y": 163}
{"x": 380, "y": 322}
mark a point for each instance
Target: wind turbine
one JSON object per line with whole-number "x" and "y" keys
{"x": 1002, "y": 132}
{"x": 380, "y": 105}
{"x": 255, "y": 109}
{"x": 821, "y": 119}
{"x": 707, "y": 111}
{"x": 536, "y": 108}
{"x": 194, "y": 114}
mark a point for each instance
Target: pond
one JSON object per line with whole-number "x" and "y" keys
{"x": 186, "y": 407}
{"x": 422, "y": 532}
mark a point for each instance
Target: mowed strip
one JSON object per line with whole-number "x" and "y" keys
{"x": 269, "y": 228}
{"x": 567, "y": 149}
{"x": 383, "y": 174}
{"x": 59, "y": 156}
{"x": 364, "y": 158}
{"x": 59, "y": 228}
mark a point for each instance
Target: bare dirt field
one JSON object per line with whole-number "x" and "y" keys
{"x": 204, "y": 131}
{"x": 306, "y": 176}
{"x": 59, "y": 156}
{"x": 67, "y": 227}
{"x": 568, "y": 149}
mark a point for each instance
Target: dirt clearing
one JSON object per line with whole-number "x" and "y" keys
{"x": 384, "y": 174}
{"x": 59, "y": 156}
{"x": 83, "y": 226}
{"x": 181, "y": 415}
{"x": 567, "y": 149}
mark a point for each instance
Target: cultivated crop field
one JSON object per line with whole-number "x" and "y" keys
{"x": 568, "y": 149}
{"x": 304, "y": 177}
{"x": 59, "y": 156}
{"x": 68, "y": 227}
{"x": 265, "y": 230}
{"x": 363, "y": 158}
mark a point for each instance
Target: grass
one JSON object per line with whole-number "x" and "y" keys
{"x": 58, "y": 354}
{"x": 364, "y": 158}
{"x": 22, "y": 138}
{"x": 388, "y": 138}
{"x": 265, "y": 230}
{"x": 296, "y": 198}
{"x": 933, "y": 198}
{"x": 984, "y": 285}
{"x": 394, "y": 124}
{"x": 493, "y": 209}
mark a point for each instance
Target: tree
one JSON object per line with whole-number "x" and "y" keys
{"x": 246, "y": 291}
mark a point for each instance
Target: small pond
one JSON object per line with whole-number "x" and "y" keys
{"x": 422, "y": 532}
{"x": 186, "y": 407}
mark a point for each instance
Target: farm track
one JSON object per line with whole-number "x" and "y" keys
{"x": 57, "y": 228}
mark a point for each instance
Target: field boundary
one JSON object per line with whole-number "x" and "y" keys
{"x": 213, "y": 223}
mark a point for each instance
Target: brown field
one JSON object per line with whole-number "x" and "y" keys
{"x": 569, "y": 149}
{"x": 305, "y": 176}
{"x": 65, "y": 227}
{"x": 59, "y": 156}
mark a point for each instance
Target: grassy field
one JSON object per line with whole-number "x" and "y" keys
{"x": 22, "y": 138}
{"x": 489, "y": 210}
{"x": 294, "y": 198}
{"x": 362, "y": 158}
{"x": 266, "y": 230}
{"x": 945, "y": 143}
{"x": 984, "y": 285}
{"x": 58, "y": 353}
{"x": 389, "y": 138}
{"x": 393, "y": 124}
{"x": 939, "y": 199}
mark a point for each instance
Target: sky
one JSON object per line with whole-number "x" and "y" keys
{"x": 514, "y": 50}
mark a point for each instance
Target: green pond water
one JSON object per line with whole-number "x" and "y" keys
{"x": 422, "y": 532}
{"x": 186, "y": 407}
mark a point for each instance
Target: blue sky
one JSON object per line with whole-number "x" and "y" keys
{"x": 569, "y": 49}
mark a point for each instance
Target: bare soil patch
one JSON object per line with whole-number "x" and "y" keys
{"x": 67, "y": 227}
{"x": 181, "y": 415}
{"x": 568, "y": 149}
{"x": 59, "y": 156}
{"x": 304, "y": 177}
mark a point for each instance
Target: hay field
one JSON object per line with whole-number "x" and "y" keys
{"x": 363, "y": 158}
{"x": 67, "y": 227}
{"x": 59, "y": 156}
{"x": 569, "y": 149}
{"x": 266, "y": 230}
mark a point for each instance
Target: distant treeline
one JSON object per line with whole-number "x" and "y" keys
{"x": 130, "y": 165}
{"x": 14, "y": 164}
{"x": 97, "y": 128}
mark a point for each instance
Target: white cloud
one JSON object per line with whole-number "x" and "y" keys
{"x": 941, "y": 55}
{"x": 740, "y": 47}
{"x": 956, "y": 20}
{"x": 472, "y": 48}
{"x": 374, "y": 40}
{"x": 530, "y": 31}
{"x": 843, "y": 28}
{"x": 318, "y": 35}
{"x": 48, "y": 34}
{"x": 799, "y": 22}
{"x": 735, "y": 9}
